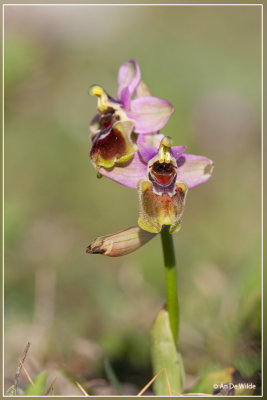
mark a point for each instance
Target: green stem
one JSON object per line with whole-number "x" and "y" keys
{"x": 171, "y": 280}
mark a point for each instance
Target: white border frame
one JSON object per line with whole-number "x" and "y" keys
{"x": 129, "y": 5}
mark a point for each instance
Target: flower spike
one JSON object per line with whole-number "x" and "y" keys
{"x": 128, "y": 148}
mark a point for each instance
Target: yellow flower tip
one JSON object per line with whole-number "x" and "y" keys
{"x": 182, "y": 186}
{"x": 96, "y": 90}
{"x": 167, "y": 141}
{"x": 165, "y": 150}
{"x": 102, "y": 103}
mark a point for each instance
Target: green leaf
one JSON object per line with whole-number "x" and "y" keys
{"x": 38, "y": 389}
{"x": 165, "y": 355}
{"x": 247, "y": 366}
{"x": 112, "y": 376}
{"x": 212, "y": 381}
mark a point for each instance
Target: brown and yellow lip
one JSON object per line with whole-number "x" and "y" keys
{"x": 163, "y": 173}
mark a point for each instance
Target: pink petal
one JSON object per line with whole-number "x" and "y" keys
{"x": 148, "y": 146}
{"x": 153, "y": 139}
{"x": 150, "y": 113}
{"x": 177, "y": 151}
{"x": 145, "y": 149}
{"x": 193, "y": 170}
{"x": 127, "y": 174}
{"x": 125, "y": 98}
{"x": 129, "y": 76}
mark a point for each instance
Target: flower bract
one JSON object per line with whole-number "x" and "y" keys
{"x": 120, "y": 243}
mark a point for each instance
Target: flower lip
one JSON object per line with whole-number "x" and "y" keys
{"x": 164, "y": 173}
{"x": 162, "y": 168}
{"x": 108, "y": 119}
{"x": 103, "y": 134}
{"x": 109, "y": 143}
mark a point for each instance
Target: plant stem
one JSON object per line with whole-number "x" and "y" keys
{"x": 171, "y": 281}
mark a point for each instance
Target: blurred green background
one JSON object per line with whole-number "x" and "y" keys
{"x": 78, "y": 309}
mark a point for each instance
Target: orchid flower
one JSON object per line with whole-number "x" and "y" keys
{"x": 112, "y": 128}
{"x": 162, "y": 174}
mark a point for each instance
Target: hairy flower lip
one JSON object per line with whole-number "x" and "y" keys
{"x": 101, "y": 137}
{"x": 112, "y": 145}
{"x": 163, "y": 208}
{"x": 160, "y": 185}
{"x": 162, "y": 169}
{"x": 161, "y": 199}
{"x": 162, "y": 173}
{"x": 101, "y": 133}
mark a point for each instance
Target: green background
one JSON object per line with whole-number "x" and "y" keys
{"x": 78, "y": 309}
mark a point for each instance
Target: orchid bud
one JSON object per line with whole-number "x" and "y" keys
{"x": 120, "y": 243}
